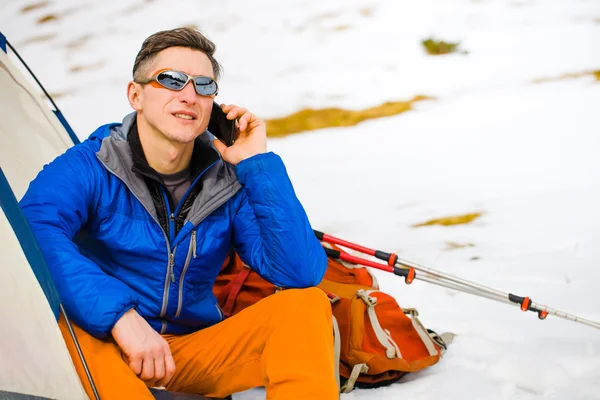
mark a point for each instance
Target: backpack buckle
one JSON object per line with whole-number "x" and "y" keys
{"x": 369, "y": 301}
{"x": 411, "y": 311}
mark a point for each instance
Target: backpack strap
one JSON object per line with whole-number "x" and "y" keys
{"x": 428, "y": 341}
{"x": 383, "y": 336}
{"x": 356, "y": 371}
{"x": 337, "y": 338}
{"x": 232, "y": 289}
{"x": 337, "y": 347}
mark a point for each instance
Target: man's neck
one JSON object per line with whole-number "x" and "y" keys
{"x": 164, "y": 156}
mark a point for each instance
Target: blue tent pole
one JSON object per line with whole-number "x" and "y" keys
{"x": 2, "y": 42}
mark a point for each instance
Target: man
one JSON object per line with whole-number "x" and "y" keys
{"x": 136, "y": 222}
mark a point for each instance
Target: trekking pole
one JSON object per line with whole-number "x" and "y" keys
{"x": 407, "y": 269}
{"x": 406, "y": 274}
{"x": 393, "y": 260}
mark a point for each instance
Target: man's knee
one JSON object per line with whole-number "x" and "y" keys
{"x": 311, "y": 298}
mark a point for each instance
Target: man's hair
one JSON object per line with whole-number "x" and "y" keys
{"x": 179, "y": 37}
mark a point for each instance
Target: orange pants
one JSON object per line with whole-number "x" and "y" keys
{"x": 284, "y": 342}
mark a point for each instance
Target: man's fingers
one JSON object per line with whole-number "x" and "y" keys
{"x": 243, "y": 117}
{"x": 220, "y": 146}
{"x": 159, "y": 368}
{"x": 147, "y": 369}
{"x": 244, "y": 121}
{"x": 135, "y": 363}
{"x": 170, "y": 366}
{"x": 169, "y": 370}
{"x": 233, "y": 111}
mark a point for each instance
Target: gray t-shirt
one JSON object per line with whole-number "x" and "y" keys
{"x": 177, "y": 184}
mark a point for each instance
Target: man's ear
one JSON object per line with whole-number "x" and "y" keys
{"x": 134, "y": 94}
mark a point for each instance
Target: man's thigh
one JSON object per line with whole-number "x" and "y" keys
{"x": 228, "y": 357}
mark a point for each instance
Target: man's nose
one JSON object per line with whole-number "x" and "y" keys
{"x": 188, "y": 93}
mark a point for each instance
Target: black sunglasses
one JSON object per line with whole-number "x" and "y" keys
{"x": 176, "y": 80}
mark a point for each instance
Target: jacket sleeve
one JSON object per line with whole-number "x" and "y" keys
{"x": 271, "y": 230}
{"x": 57, "y": 205}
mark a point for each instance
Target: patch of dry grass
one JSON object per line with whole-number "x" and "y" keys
{"x": 34, "y": 6}
{"x": 452, "y": 220}
{"x": 47, "y": 18}
{"x": 340, "y": 28}
{"x": 88, "y": 67}
{"x": 570, "y": 75}
{"x": 438, "y": 47}
{"x": 454, "y": 245}
{"x": 78, "y": 42}
{"x": 310, "y": 119}
{"x": 366, "y": 12}
{"x": 37, "y": 39}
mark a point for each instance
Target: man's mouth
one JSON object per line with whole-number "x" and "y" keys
{"x": 184, "y": 116}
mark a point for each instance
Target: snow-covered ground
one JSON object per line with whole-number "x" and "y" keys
{"x": 523, "y": 154}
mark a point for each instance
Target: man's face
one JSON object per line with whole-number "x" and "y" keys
{"x": 165, "y": 110}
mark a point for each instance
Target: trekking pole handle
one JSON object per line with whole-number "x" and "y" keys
{"x": 340, "y": 255}
{"x": 390, "y": 258}
{"x": 408, "y": 274}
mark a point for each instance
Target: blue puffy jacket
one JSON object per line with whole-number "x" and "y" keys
{"x": 97, "y": 227}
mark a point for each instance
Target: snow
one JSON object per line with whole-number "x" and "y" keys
{"x": 522, "y": 153}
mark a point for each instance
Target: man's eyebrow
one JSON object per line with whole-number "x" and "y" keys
{"x": 173, "y": 69}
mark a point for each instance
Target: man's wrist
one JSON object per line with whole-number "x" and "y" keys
{"x": 128, "y": 315}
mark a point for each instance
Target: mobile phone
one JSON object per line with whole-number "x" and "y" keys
{"x": 220, "y": 126}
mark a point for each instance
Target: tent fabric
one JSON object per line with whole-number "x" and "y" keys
{"x": 28, "y": 243}
{"x": 30, "y": 134}
{"x": 34, "y": 361}
{"x": 33, "y": 357}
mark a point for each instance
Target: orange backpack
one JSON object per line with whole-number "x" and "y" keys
{"x": 377, "y": 342}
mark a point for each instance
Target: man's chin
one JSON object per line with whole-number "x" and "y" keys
{"x": 184, "y": 137}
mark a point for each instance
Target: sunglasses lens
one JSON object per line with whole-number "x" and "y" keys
{"x": 205, "y": 86}
{"x": 172, "y": 80}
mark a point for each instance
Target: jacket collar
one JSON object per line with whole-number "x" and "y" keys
{"x": 202, "y": 156}
{"x": 219, "y": 182}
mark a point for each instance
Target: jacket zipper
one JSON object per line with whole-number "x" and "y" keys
{"x": 191, "y": 253}
{"x": 171, "y": 255}
{"x": 167, "y": 242}
{"x": 170, "y": 275}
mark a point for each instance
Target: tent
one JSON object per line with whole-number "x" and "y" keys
{"x": 34, "y": 360}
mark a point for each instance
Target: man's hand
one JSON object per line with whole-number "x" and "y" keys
{"x": 147, "y": 353}
{"x": 250, "y": 133}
